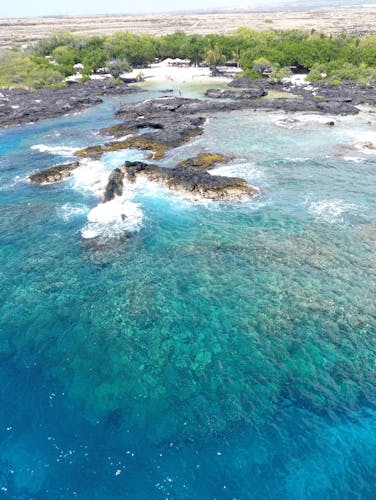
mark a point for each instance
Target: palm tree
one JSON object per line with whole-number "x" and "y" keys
{"x": 214, "y": 57}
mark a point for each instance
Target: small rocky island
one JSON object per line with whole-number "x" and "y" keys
{"x": 186, "y": 180}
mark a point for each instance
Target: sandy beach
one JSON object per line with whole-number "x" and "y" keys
{"x": 162, "y": 72}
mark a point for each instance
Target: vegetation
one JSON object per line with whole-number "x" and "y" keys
{"x": 261, "y": 54}
{"x": 18, "y": 70}
{"x": 118, "y": 66}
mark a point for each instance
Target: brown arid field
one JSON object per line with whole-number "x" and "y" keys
{"x": 359, "y": 21}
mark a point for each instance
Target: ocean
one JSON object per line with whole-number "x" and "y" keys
{"x": 213, "y": 350}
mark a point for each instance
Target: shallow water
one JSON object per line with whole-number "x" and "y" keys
{"x": 221, "y": 350}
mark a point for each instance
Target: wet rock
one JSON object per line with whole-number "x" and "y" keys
{"x": 253, "y": 93}
{"x": 367, "y": 145}
{"x": 334, "y": 107}
{"x": 348, "y": 92}
{"x": 167, "y": 107}
{"x": 114, "y": 185}
{"x": 137, "y": 142}
{"x": 56, "y": 173}
{"x": 204, "y": 160}
{"x": 170, "y": 128}
{"x": 307, "y": 105}
{"x": 22, "y": 105}
{"x": 244, "y": 83}
{"x": 191, "y": 181}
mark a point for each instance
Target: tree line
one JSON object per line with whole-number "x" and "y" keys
{"x": 268, "y": 53}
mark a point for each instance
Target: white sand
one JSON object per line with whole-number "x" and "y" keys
{"x": 298, "y": 80}
{"x": 164, "y": 73}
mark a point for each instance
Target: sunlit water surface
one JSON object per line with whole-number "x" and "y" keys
{"x": 222, "y": 350}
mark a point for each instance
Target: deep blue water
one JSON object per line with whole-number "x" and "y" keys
{"x": 222, "y": 350}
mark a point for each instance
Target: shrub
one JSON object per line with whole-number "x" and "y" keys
{"x": 17, "y": 70}
{"x": 118, "y": 66}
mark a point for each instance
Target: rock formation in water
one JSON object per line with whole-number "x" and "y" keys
{"x": 191, "y": 181}
{"x": 205, "y": 160}
{"x": 253, "y": 93}
{"x": 56, "y": 173}
{"x": 114, "y": 185}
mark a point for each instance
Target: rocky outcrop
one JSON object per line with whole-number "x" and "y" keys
{"x": 157, "y": 124}
{"x": 114, "y": 185}
{"x": 136, "y": 142}
{"x": 191, "y": 181}
{"x": 56, "y": 173}
{"x": 252, "y": 93}
{"x": 204, "y": 160}
{"x": 348, "y": 91}
{"x": 170, "y": 130}
{"x": 306, "y": 105}
{"x": 166, "y": 107}
{"x": 22, "y": 106}
{"x": 243, "y": 83}
{"x": 169, "y": 108}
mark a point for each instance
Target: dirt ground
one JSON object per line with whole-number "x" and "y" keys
{"x": 25, "y": 30}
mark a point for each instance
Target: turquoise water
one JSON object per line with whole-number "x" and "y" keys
{"x": 221, "y": 350}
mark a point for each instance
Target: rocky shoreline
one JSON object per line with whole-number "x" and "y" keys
{"x": 348, "y": 92}
{"x": 161, "y": 124}
{"x": 19, "y": 105}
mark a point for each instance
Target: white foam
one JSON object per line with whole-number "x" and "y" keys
{"x": 55, "y": 150}
{"x": 248, "y": 171}
{"x": 303, "y": 119}
{"x": 288, "y": 123}
{"x": 366, "y": 142}
{"x": 299, "y": 159}
{"x": 298, "y": 80}
{"x": 331, "y": 211}
{"x": 113, "y": 218}
{"x": 355, "y": 159}
{"x": 122, "y": 138}
{"x": 115, "y": 158}
{"x": 16, "y": 180}
{"x": 91, "y": 177}
{"x": 69, "y": 211}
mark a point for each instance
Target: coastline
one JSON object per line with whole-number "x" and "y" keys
{"x": 18, "y": 105}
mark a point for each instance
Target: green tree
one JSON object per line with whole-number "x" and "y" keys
{"x": 17, "y": 70}
{"x": 214, "y": 57}
{"x": 65, "y": 57}
{"x": 118, "y": 66}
